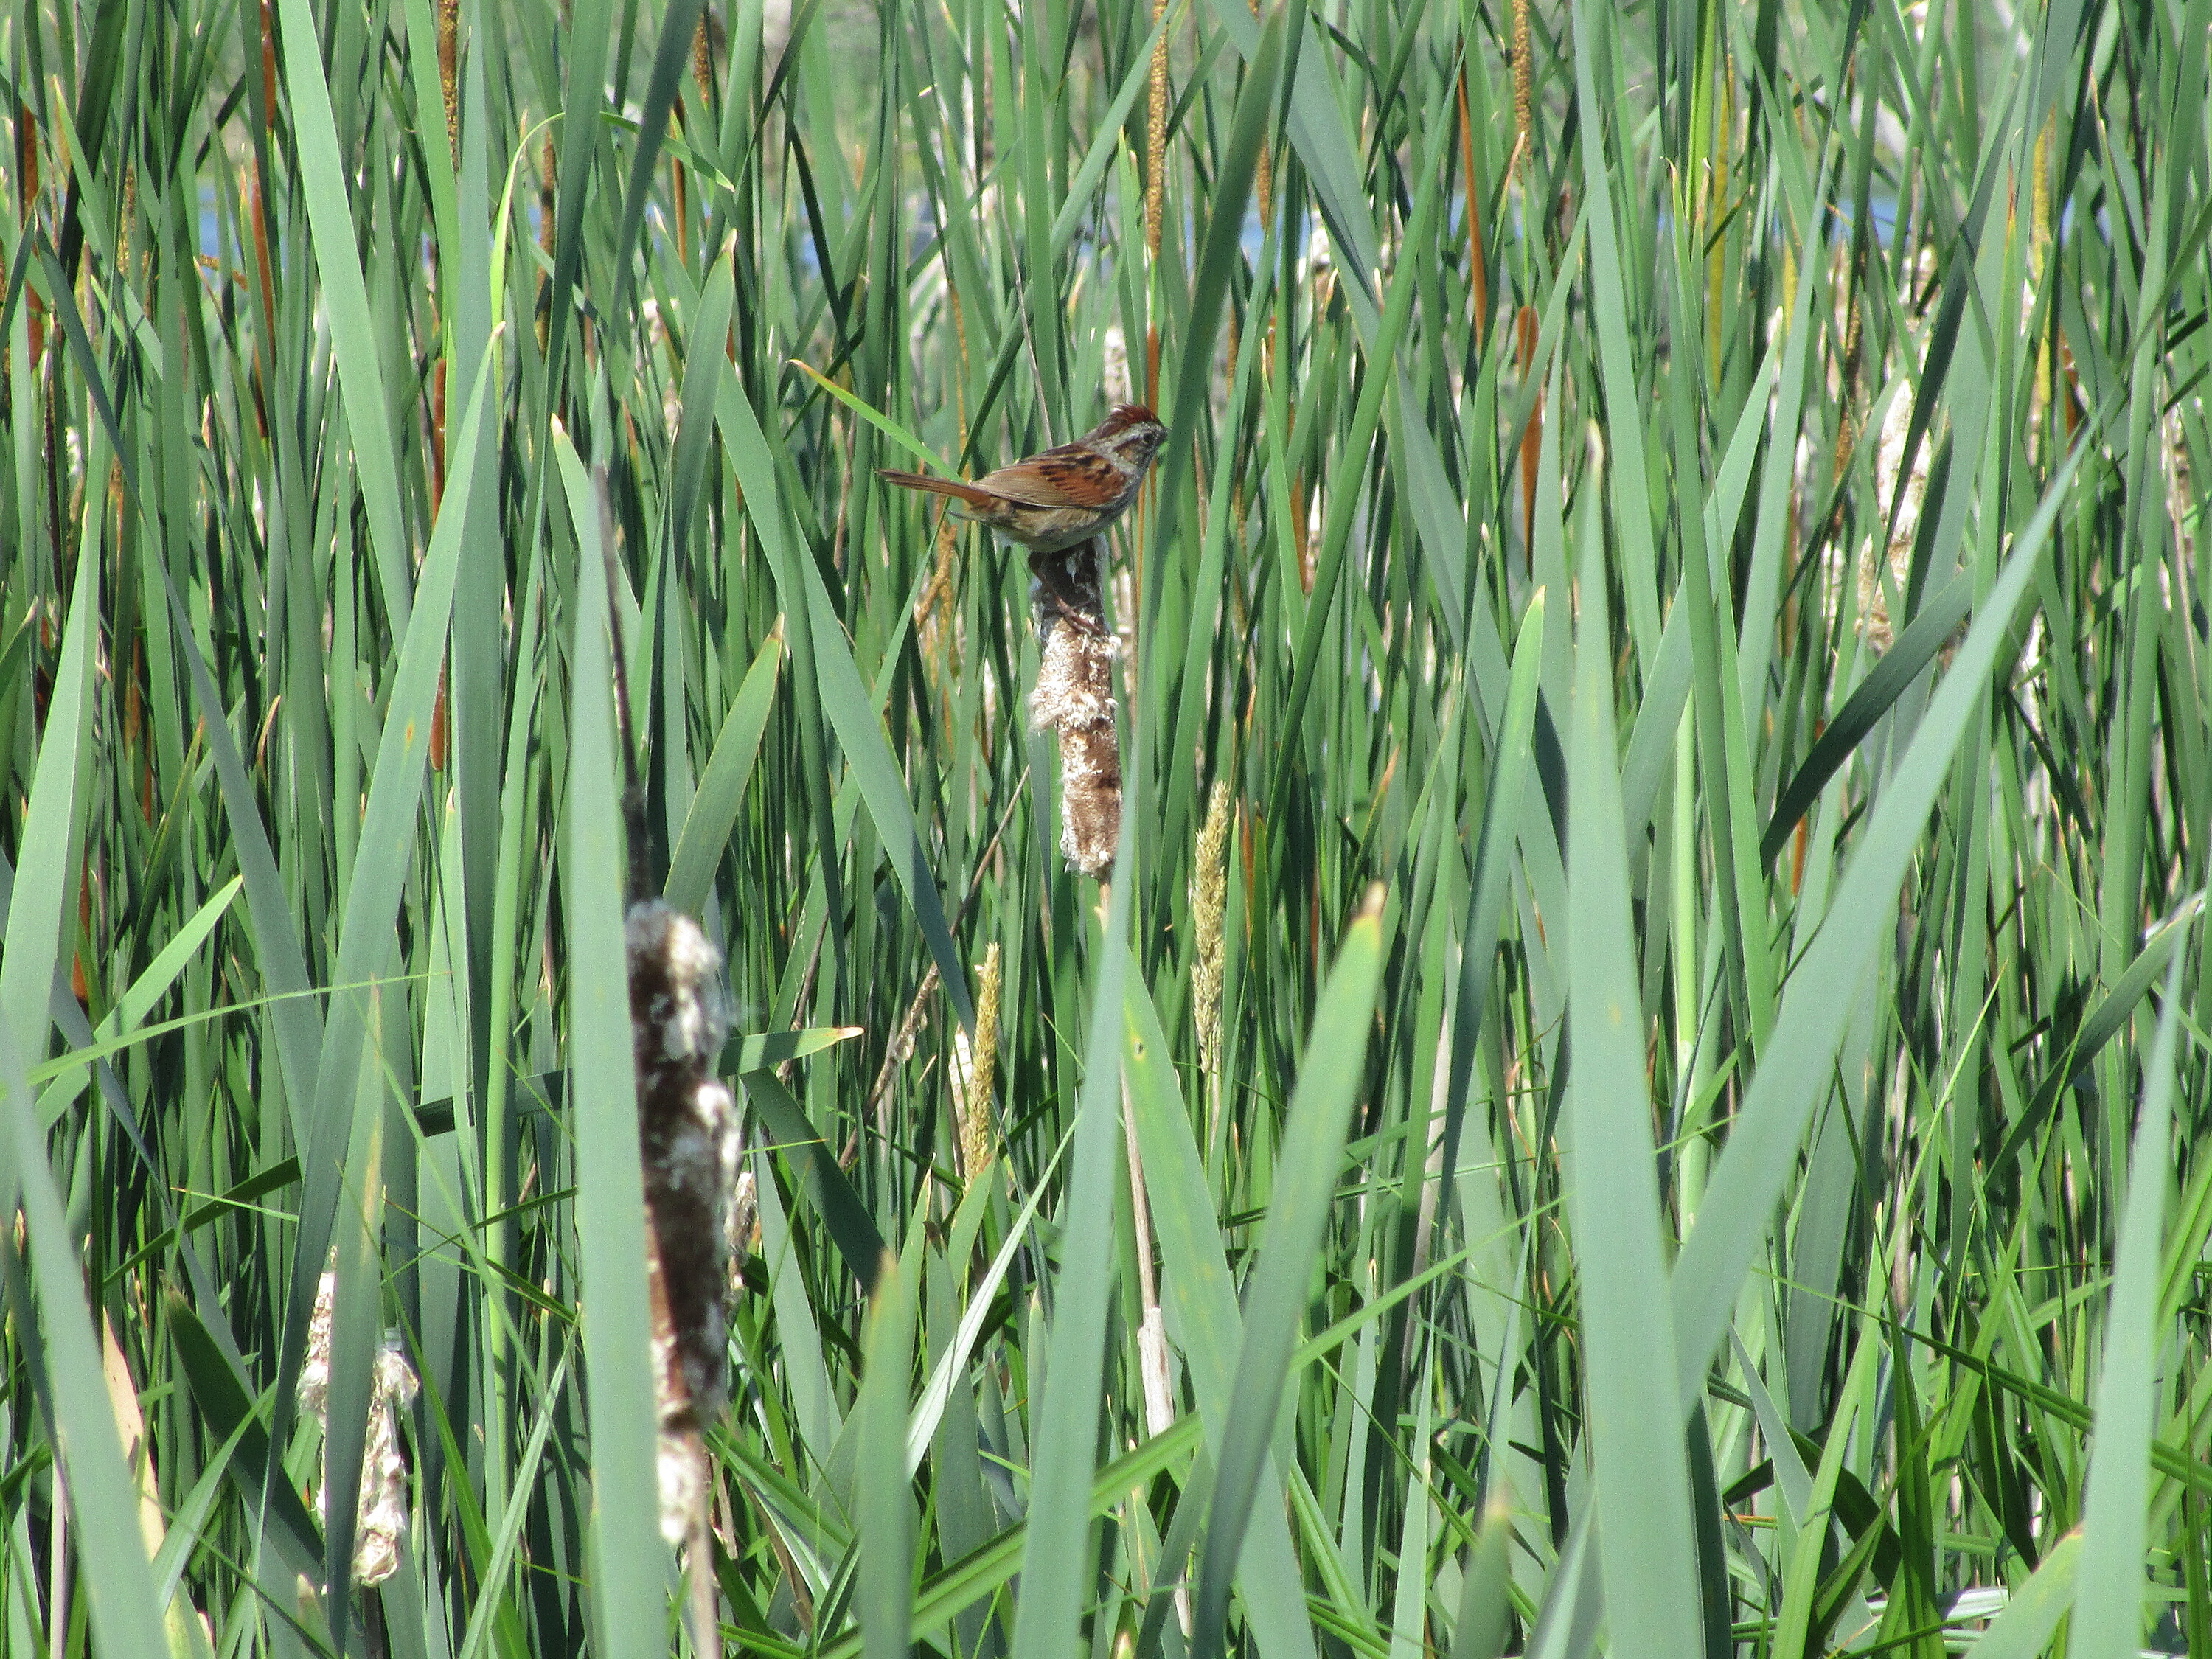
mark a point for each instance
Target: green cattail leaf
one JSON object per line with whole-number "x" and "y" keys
{"x": 626, "y": 1597}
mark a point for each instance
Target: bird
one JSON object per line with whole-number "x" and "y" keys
{"x": 1052, "y": 501}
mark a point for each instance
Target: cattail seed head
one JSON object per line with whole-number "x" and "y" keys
{"x": 974, "y": 1080}
{"x": 1523, "y": 78}
{"x": 1209, "y": 885}
{"x": 688, "y": 1140}
{"x": 449, "y": 58}
{"x": 380, "y": 1516}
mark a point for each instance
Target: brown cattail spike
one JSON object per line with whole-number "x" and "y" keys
{"x": 1471, "y": 188}
{"x": 1532, "y": 441}
{"x": 380, "y": 1519}
{"x": 688, "y": 1140}
{"x": 1074, "y": 698}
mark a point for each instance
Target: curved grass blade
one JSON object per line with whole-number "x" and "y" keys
{"x": 671, "y": 56}
{"x": 492, "y": 1580}
{"x": 885, "y": 1504}
{"x": 952, "y": 1366}
{"x": 126, "y": 1617}
{"x": 1795, "y": 1075}
{"x": 841, "y": 1208}
{"x": 345, "y": 303}
{"x": 628, "y": 1565}
{"x": 2109, "y": 1594}
{"x": 1634, "y": 1423}
{"x": 53, "y": 838}
{"x": 852, "y": 712}
{"x": 1054, "y": 1559}
{"x": 1485, "y": 1593}
{"x": 1329, "y": 1085}
{"x": 705, "y": 836}
{"x": 966, "y": 1582}
{"x": 1486, "y": 884}
{"x": 1197, "y": 1285}
{"x": 1900, "y": 665}
{"x": 2105, "y": 1021}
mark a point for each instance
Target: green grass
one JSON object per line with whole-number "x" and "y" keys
{"x": 1706, "y": 1150}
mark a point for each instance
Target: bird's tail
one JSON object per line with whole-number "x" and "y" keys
{"x": 952, "y": 487}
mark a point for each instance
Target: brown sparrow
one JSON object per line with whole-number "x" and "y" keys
{"x": 1050, "y": 502}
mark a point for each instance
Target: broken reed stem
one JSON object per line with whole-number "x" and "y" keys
{"x": 1074, "y": 697}
{"x": 1152, "y": 1331}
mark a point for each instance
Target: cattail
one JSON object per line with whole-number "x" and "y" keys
{"x": 978, "y": 1071}
{"x": 1209, "y": 885}
{"x": 381, "y": 1517}
{"x": 1156, "y": 163}
{"x": 1478, "y": 277}
{"x": 1263, "y": 178}
{"x": 129, "y": 219}
{"x": 2040, "y": 245}
{"x": 27, "y": 191}
{"x": 547, "y": 199}
{"x": 688, "y": 1138}
{"x": 1074, "y": 697}
{"x": 960, "y": 337}
{"x": 1156, "y": 138}
{"x": 1523, "y": 80}
{"x": 702, "y": 59}
{"x": 1532, "y": 441}
{"x": 449, "y": 58}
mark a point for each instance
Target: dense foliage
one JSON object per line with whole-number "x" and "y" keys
{"x": 1639, "y": 1083}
